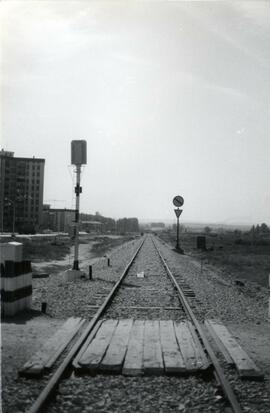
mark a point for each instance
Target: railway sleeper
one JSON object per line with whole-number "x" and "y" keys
{"x": 143, "y": 347}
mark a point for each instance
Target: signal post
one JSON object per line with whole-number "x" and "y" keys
{"x": 78, "y": 158}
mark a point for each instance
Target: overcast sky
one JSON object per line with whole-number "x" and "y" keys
{"x": 173, "y": 98}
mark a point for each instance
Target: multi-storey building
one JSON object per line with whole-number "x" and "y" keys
{"x": 21, "y": 192}
{"x": 57, "y": 219}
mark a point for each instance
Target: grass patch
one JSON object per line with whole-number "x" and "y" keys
{"x": 242, "y": 260}
{"x": 103, "y": 244}
{"x": 45, "y": 250}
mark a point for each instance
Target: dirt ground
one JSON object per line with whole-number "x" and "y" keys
{"x": 54, "y": 266}
{"x": 23, "y": 336}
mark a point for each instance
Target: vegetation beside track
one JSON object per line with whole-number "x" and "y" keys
{"x": 57, "y": 247}
{"x": 234, "y": 252}
{"x": 103, "y": 244}
{"x": 43, "y": 248}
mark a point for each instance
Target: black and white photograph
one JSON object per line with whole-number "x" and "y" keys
{"x": 135, "y": 206}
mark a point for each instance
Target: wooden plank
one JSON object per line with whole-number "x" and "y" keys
{"x": 152, "y": 354}
{"x": 51, "y": 350}
{"x": 202, "y": 360}
{"x": 133, "y": 364}
{"x": 172, "y": 357}
{"x": 61, "y": 348}
{"x": 220, "y": 345}
{"x": 187, "y": 346}
{"x": 115, "y": 354}
{"x": 95, "y": 352}
{"x": 75, "y": 363}
{"x": 244, "y": 365}
{"x": 58, "y": 341}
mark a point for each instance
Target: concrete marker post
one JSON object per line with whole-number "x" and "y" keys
{"x": 16, "y": 279}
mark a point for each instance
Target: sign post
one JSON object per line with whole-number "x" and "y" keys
{"x": 178, "y": 212}
{"x": 178, "y": 201}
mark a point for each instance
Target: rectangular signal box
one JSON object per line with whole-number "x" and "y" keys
{"x": 78, "y": 152}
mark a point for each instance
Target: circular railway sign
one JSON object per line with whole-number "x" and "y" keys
{"x": 178, "y": 201}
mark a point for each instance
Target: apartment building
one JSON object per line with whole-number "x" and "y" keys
{"x": 21, "y": 192}
{"x": 58, "y": 219}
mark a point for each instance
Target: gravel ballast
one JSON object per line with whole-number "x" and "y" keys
{"x": 217, "y": 295}
{"x": 147, "y": 285}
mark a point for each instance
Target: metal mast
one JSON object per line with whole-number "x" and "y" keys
{"x": 78, "y": 190}
{"x": 78, "y": 158}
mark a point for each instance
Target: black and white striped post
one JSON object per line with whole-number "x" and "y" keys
{"x": 16, "y": 279}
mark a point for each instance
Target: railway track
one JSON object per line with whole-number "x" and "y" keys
{"x": 146, "y": 290}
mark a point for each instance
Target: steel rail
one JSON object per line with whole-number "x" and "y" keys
{"x": 54, "y": 380}
{"x": 228, "y": 392}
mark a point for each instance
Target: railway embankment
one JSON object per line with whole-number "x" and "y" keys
{"x": 242, "y": 309}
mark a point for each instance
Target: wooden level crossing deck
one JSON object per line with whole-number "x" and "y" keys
{"x": 143, "y": 347}
{"x": 233, "y": 353}
{"x": 52, "y": 348}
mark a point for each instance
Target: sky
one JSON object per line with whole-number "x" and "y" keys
{"x": 172, "y": 97}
